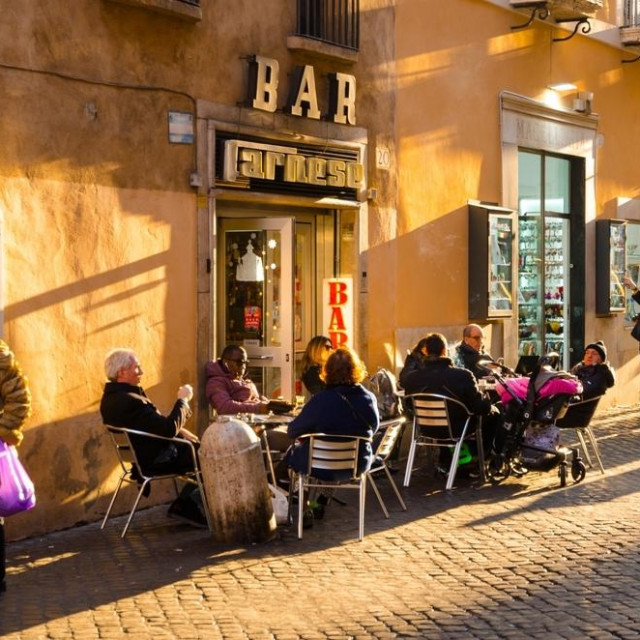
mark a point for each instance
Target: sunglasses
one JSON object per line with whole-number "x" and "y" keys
{"x": 328, "y": 346}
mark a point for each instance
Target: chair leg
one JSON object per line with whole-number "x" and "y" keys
{"x": 480, "y": 447}
{"x": 380, "y": 500}
{"x": 585, "y": 448}
{"x": 594, "y": 445}
{"x": 395, "y": 488}
{"x": 451, "y": 476}
{"x": 363, "y": 502}
{"x": 205, "y": 502}
{"x": 113, "y": 500}
{"x": 409, "y": 469}
{"x": 301, "y": 504}
{"x": 135, "y": 506}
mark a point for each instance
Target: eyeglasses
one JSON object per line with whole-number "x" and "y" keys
{"x": 240, "y": 361}
{"x": 476, "y": 337}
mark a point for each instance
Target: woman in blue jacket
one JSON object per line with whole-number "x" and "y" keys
{"x": 345, "y": 407}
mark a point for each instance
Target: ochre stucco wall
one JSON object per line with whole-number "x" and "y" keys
{"x": 452, "y": 60}
{"x": 99, "y": 223}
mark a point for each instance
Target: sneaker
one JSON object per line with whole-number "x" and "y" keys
{"x": 187, "y": 511}
{"x": 318, "y": 506}
{"x": 307, "y": 519}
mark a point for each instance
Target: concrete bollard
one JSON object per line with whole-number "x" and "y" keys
{"x": 235, "y": 482}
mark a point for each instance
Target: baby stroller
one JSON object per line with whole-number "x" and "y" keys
{"x": 530, "y": 439}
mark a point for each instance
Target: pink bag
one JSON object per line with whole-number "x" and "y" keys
{"x": 17, "y": 492}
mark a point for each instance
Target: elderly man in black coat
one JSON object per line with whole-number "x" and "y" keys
{"x": 125, "y": 404}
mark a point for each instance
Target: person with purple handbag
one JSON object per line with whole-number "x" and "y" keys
{"x": 15, "y": 408}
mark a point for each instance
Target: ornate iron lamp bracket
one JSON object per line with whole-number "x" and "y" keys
{"x": 581, "y": 23}
{"x": 538, "y": 8}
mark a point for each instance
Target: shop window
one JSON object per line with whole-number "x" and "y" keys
{"x": 633, "y": 265}
{"x": 334, "y": 22}
{"x": 182, "y": 9}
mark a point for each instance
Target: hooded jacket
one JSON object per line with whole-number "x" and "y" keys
{"x": 227, "y": 394}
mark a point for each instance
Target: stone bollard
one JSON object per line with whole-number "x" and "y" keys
{"x": 235, "y": 482}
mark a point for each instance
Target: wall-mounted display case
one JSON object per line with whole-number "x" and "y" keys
{"x": 611, "y": 264}
{"x": 491, "y": 268}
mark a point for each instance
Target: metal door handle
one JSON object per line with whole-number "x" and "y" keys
{"x": 260, "y": 357}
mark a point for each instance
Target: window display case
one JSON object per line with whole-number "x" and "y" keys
{"x": 543, "y": 275}
{"x": 611, "y": 263}
{"x": 491, "y": 268}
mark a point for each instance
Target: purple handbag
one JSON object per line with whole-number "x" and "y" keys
{"x": 17, "y": 492}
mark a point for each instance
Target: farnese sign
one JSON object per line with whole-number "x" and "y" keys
{"x": 244, "y": 159}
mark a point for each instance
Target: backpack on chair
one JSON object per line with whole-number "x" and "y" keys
{"x": 384, "y": 386}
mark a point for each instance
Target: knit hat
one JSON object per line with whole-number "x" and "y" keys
{"x": 600, "y": 348}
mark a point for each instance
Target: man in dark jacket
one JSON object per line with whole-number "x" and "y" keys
{"x": 438, "y": 375}
{"x": 596, "y": 377}
{"x": 470, "y": 352}
{"x": 594, "y": 371}
{"x": 125, "y": 404}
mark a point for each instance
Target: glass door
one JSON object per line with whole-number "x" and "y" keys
{"x": 545, "y": 314}
{"x": 255, "y": 301}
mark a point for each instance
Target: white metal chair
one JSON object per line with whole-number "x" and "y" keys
{"x": 393, "y": 429}
{"x": 433, "y": 426}
{"x": 578, "y": 416}
{"x": 132, "y": 471}
{"x": 332, "y": 453}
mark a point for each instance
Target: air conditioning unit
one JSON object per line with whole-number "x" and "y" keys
{"x": 574, "y": 9}
{"x": 630, "y": 36}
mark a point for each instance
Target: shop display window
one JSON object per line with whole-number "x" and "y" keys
{"x": 491, "y": 238}
{"x": 611, "y": 265}
{"x": 543, "y": 280}
{"x": 633, "y": 265}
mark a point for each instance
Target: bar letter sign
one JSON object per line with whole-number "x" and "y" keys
{"x": 337, "y": 301}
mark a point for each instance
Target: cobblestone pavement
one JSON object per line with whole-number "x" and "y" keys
{"x": 523, "y": 559}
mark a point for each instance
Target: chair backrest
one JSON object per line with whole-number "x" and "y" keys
{"x": 122, "y": 444}
{"x": 439, "y": 417}
{"x": 392, "y": 431}
{"x": 334, "y": 453}
{"x": 579, "y": 414}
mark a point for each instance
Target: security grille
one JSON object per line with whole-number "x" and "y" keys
{"x": 330, "y": 21}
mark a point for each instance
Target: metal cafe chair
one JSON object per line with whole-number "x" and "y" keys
{"x": 392, "y": 431}
{"x": 331, "y": 453}
{"x": 440, "y": 421}
{"x": 132, "y": 471}
{"x": 578, "y": 416}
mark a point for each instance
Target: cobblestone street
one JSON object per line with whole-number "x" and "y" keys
{"x": 523, "y": 559}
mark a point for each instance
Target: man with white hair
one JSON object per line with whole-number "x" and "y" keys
{"x": 125, "y": 404}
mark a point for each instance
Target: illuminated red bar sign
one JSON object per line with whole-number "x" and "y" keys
{"x": 337, "y": 301}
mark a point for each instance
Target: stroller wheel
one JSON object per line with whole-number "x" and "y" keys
{"x": 578, "y": 470}
{"x": 562, "y": 472}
